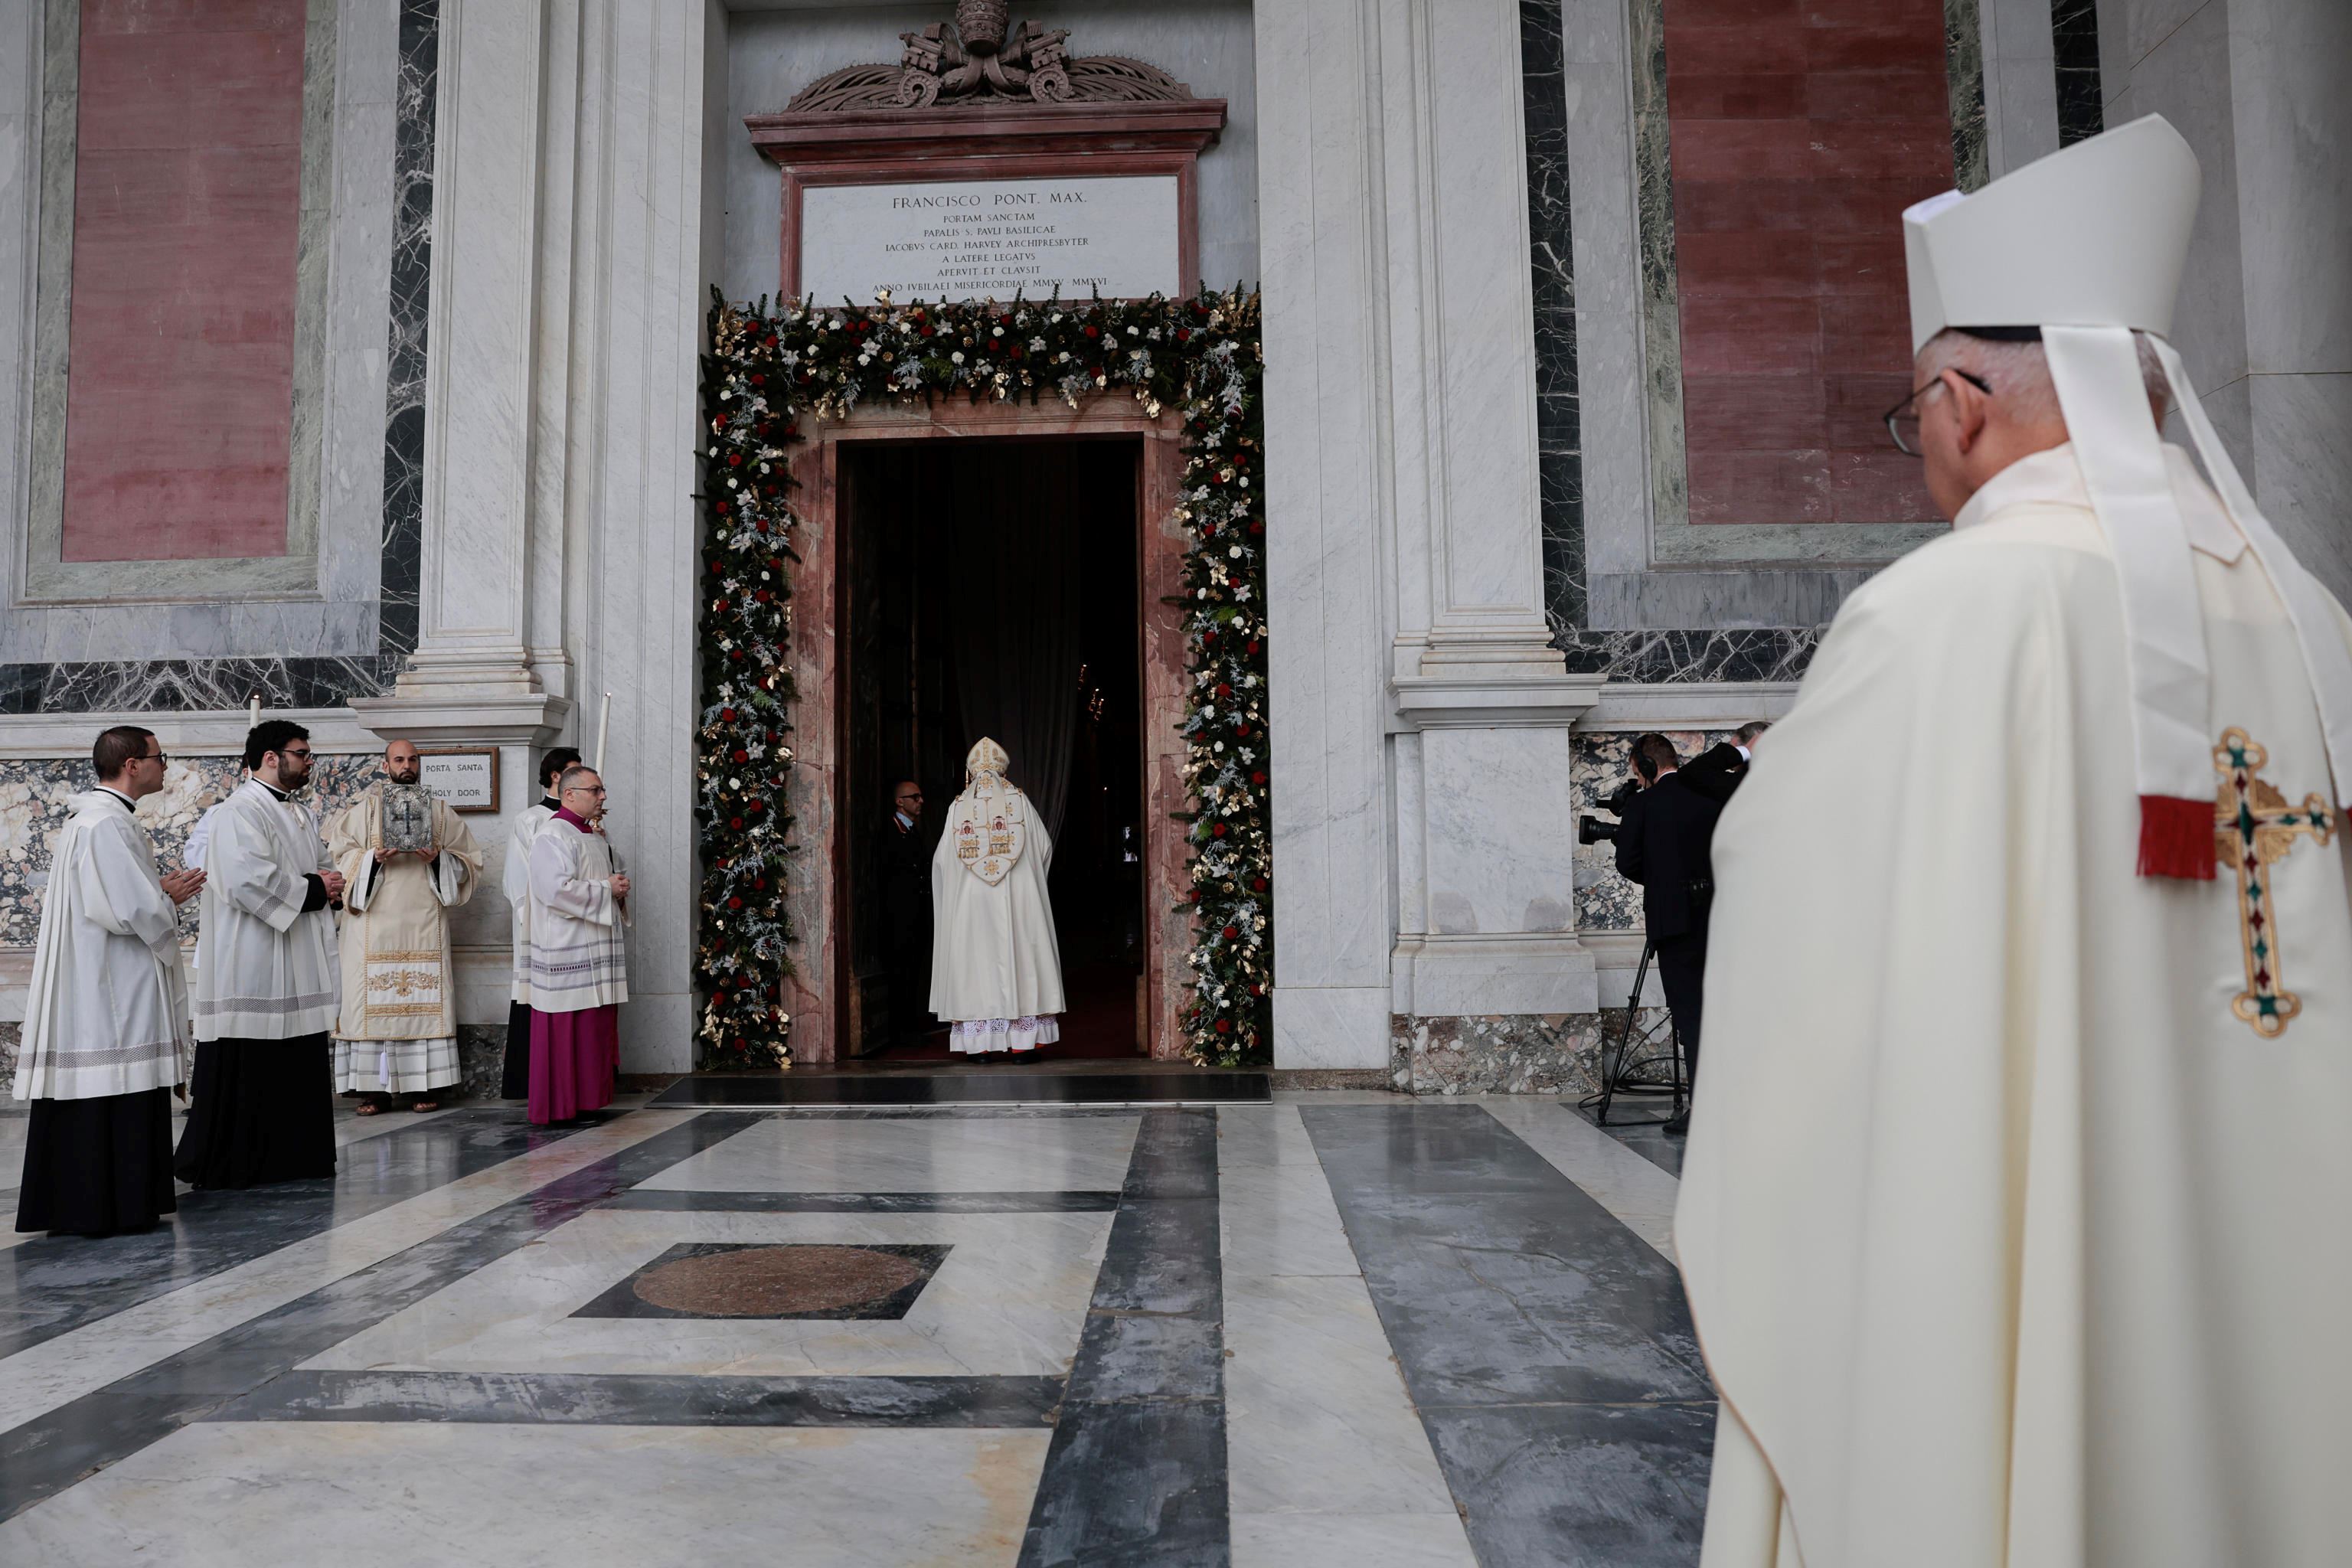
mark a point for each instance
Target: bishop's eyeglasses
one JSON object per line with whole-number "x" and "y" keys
{"x": 1903, "y": 419}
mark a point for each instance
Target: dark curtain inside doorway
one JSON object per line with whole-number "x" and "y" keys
{"x": 1013, "y": 617}
{"x": 991, "y": 588}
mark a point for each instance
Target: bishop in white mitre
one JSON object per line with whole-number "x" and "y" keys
{"x": 105, "y": 1023}
{"x": 578, "y": 972}
{"x": 996, "y": 962}
{"x": 2013, "y": 1213}
{"x": 407, "y": 859}
{"x": 266, "y": 989}
{"x": 514, "y": 881}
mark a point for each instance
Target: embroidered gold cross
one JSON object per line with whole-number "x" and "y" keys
{"x": 2253, "y": 829}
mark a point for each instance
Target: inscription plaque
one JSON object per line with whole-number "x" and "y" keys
{"x": 467, "y": 779}
{"x": 959, "y": 239}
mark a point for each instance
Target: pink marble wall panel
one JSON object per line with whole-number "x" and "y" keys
{"x": 187, "y": 186}
{"x": 1798, "y": 130}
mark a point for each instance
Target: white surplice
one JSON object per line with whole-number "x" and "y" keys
{"x": 398, "y": 1028}
{"x": 264, "y": 968}
{"x": 578, "y": 958}
{"x": 514, "y": 879}
{"x": 2012, "y": 1214}
{"x": 108, "y": 1012}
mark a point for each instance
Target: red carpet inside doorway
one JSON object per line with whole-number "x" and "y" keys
{"x": 1099, "y": 1025}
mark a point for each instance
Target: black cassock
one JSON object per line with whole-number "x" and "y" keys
{"x": 905, "y": 861}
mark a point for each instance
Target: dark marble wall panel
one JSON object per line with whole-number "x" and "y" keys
{"x": 1559, "y": 452}
{"x": 2075, "y": 45}
{"x": 193, "y": 685}
{"x": 412, "y": 267}
{"x": 1655, "y": 657}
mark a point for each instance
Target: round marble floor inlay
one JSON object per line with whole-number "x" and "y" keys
{"x": 776, "y": 1281}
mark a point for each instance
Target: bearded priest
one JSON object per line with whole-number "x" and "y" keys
{"x": 407, "y": 859}
{"x": 996, "y": 962}
{"x": 2013, "y": 1218}
{"x": 260, "y": 1106}
{"x": 106, "y": 1024}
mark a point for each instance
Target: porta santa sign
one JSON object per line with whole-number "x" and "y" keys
{"x": 961, "y": 239}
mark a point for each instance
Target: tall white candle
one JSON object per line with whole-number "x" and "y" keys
{"x": 253, "y": 711}
{"x": 603, "y": 723}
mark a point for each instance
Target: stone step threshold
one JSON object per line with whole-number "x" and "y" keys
{"x": 948, "y": 1086}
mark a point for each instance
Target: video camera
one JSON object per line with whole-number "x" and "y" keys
{"x": 1591, "y": 829}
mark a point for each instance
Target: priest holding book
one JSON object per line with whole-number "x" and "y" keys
{"x": 266, "y": 991}
{"x": 106, "y": 1026}
{"x": 407, "y": 859}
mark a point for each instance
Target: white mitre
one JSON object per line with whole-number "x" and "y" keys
{"x": 989, "y": 820}
{"x": 2087, "y": 244}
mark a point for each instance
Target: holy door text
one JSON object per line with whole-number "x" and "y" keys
{"x": 992, "y": 238}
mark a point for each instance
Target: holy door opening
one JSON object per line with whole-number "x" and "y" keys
{"x": 991, "y": 587}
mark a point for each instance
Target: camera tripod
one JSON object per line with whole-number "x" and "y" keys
{"x": 1625, "y": 1072}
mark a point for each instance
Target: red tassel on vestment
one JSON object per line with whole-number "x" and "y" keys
{"x": 2176, "y": 838}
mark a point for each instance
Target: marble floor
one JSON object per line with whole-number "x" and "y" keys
{"x": 1334, "y": 1328}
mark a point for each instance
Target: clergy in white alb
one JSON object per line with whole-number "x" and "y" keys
{"x": 266, "y": 989}
{"x": 996, "y": 963}
{"x": 579, "y": 973}
{"x": 2012, "y": 1216}
{"x": 407, "y": 859}
{"x": 514, "y": 881}
{"x": 106, "y": 1035}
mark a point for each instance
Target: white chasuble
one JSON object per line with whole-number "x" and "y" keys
{"x": 995, "y": 961}
{"x": 578, "y": 959}
{"x": 398, "y": 1028}
{"x": 2012, "y": 1214}
{"x": 264, "y": 968}
{"x": 108, "y": 1012}
{"x": 514, "y": 881}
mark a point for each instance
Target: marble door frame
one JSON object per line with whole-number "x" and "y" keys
{"x": 818, "y": 895}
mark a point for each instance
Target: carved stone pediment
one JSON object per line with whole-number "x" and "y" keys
{"x": 975, "y": 60}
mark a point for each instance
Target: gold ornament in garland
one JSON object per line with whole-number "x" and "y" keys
{"x": 1199, "y": 357}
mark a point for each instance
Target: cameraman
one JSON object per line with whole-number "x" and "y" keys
{"x": 1665, "y": 842}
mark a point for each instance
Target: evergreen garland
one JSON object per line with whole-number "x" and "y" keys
{"x": 767, "y": 367}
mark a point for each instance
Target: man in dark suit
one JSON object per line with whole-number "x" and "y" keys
{"x": 906, "y": 913}
{"x": 1665, "y": 842}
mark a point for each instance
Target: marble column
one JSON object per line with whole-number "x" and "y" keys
{"x": 2288, "y": 60}
{"x": 2264, "y": 321}
{"x": 468, "y": 683}
{"x": 639, "y": 295}
{"x": 1481, "y": 703}
{"x": 478, "y": 394}
{"x": 1318, "y": 79}
{"x": 2021, "y": 83}
{"x": 1402, "y": 474}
